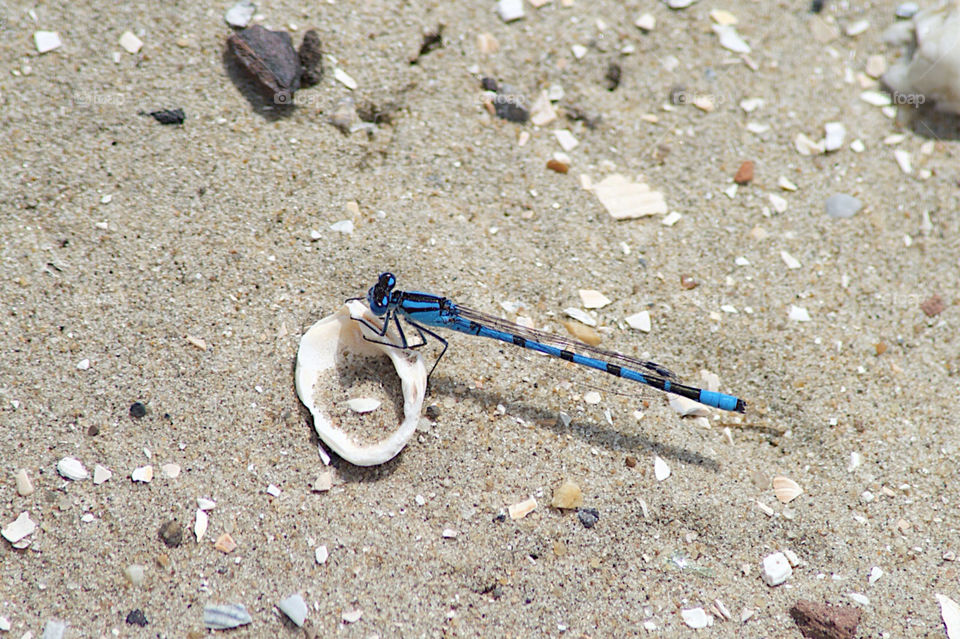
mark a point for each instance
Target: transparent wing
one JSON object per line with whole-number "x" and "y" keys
{"x": 642, "y": 366}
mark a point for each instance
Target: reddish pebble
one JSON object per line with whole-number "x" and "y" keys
{"x": 744, "y": 173}
{"x": 933, "y": 306}
{"x": 687, "y": 282}
{"x": 822, "y": 621}
{"x": 630, "y": 461}
{"x": 558, "y": 166}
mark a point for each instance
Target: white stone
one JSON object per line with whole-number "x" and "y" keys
{"x": 876, "y": 98}
{"x": 749, "y": 105}
{"x": 806, "y": 146}
{"x": 581, "y": 316}
{"x": 857, "y": 146}
{"x": 627, "y": 200}
{"x": 24, "y": 485}
{"x": 696, "y": 617}
{"x": 861, "y": 599}
{"x": 798, "y": 314}
{"x": 101, "y": 474}
{"x": 566, "y": 139}
{"x": 353, "y": 616}
{"x": 135, "y": 573}
{"x": 730, "y": 39}
{"x": 71, "y": 468}
{"x": 660, "y": 468}
{"x": 295, "y": 608}
{"x": 786, "y": 184}
{"x": 130, "y": 42}
{"x": 875, "y": 573}
{"x": 578, "y": 51}
{"x": 343, "y": 226}
{"x": 592, "y": 299}
{"x": 779, "y": 204}
{"x": 240, "y": 14}
{"x": 449, "y": 533}
{"x": 363, "y": 404}
{"x": 143, "y": 474}
{"x": 273, "y": 491}
{"x": 19, "y": 528}
{"x": 171, "y": 471}
{"x": 321, "y": 554}
{"x": 903, "y": 161}
{"x": 646, "y": 21}
{"x": 592, "y": 397}
{"x": 344, "y": 78}
{"x": 856, "y": 28}
{"x": 510, "y": 10}
{"x": 835, "y": 134}
{"x": 776, "y": 569}
{"x": 46, "y": 40}
{"x": 639, "y": 321}
{"x": 542, "y": 111}
{"x": 789, "y": 260}
{"x": 206, "y": 504}
{"x": 83, "y": 364}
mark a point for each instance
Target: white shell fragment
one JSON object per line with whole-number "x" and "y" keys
{"x": 225, "y": 616}
{"x": 363, "y": 404}
{"x": 46, "y": 41}
{"x": 696, "y": 617}
{"x": 785, "y": 489}
{"x": 565, "y": 138}
{"x": 321, "y": 554}
{"x": 789, "y": 260}
{"x": 71, "y": 468}
{"x": 200, "y": 526}
{"x": 24, "y": 485}
{"x": 510, "y": 10}
{"x": 206, "y": 504}
{"x": 240, "y": 14}
{"x": 930, "y": 68}
{"x": 660, "y": 468}
{"x": 321, "y": 348}
{"x": 101, "y": 474}
{"x": 352, "y": 616}
{"x": 798, "y": 314}
{"x": 170, "y": 471}
{"x": 639, "y": 321}
{"x": 523, "y": 508}
{"x": 950, "y": 613}
{"x": 776, "y": 569}
{"x": 143, "y": 474}
{"x": 626, "y": 200}
{"x": 344, "y": 78}
{"x": 295, "y": 608}
{"x": 130, "y": 42}
{"x": 730, "y": 39}
{"x": 18, "y": 528}
{"x": 593, "y": 299}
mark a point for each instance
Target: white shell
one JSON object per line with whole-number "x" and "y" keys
{"x": 321, "y": 347}
{"x": 785, "y": 489}
{"x": 200, "y": 527}
{"x": 71, "y": 468}
{"x": 19, "y": 528}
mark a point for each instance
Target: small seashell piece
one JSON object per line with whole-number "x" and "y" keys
{"x": 639, "y": 321}
{"x": 225, "y": 544}
{"x": 776, "y": 569}
{"x": 363, "y": 404}
{"x": 295, "y": 608}
{"x": 225, "y": 616}
{"x": 950, "y": 613}
{"x": 591, "y": 298}
{"x": 353, "y": 616}
{"x": 101, "y": 474}
{"x": 72, "y": 468}
{"x": 143, "y": 474}
{"x": 318, "y": 354}
{"x": 626, "y": 200}
{"x": 321, "y": 554}
{"x": 24, "y": 485}
{"x": 785, "y": 489}
{"x": 696, "y": 617}
{"x": 19, "y": 528}
{"x": 170, "y": 471}
{"x": 200, "y": 527}
{"x": 523, "y": 508}
{"x": 660, "y": 468}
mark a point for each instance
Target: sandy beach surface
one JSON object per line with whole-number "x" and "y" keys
{"x": 178, "y": 267}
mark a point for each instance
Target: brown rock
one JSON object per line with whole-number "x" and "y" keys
{"x": 311, "y": 58}
{"x": 932, "y": 306}
{"x": 744, "y": 173}
{"x": 171, "y": 533}
{"x": 823, "y": 621}
{"x": 269, "y": 58}
{"x": 558, "y": 166}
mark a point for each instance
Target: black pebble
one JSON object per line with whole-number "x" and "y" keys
{"x": 433, "y": 411}
{"x": 816, "y": 6}
{"x": 311, "y": 58}
{"x": 136, "y": 618}
{"x": 431, "y": 40}
{"x": 138, "y": 410}
{"x": 499, "y": 518}
{"x": 171, "y": 533}
{"x": 488, "y": 84}
{"x": 168, "y": 116}
{"x": 588, "y": 517}
{"x": 509, "y": 105}
{"x": 94, "y": 430}
{"x": 613, "y": 76}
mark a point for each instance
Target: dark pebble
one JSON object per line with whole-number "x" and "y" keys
{"x": 499, "y": 519}
{"x": 138, "y": 410}
{"x": 509, "y": 105}
{"x": 167, "y": 116}
{"x": 311, "y": 58}
{"x": 678, "y": 95}
{"x": 269, "y": 58}
{"x": 630, "y": 461}
{"x": 588, "y": 517}
{"x": 431, "y": 40}
{"x": 933, "y": 306}
{"x": 433, "y": 411}
{"x": 94, "y": 430}
{"x": 488, "y": 84}
{"x": 171, "y": 533}
{"x": 613, "y": 76}
{"x": 136, "y": 618}
{"x": 823, "y": 621}
{"x": 817, "y": 6}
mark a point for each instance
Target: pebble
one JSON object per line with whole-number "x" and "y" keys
{"x": 578, "y": 51}
{"x": 323, "y": 482}
{"x": 646, "y": 22}
{"x": 24, "y": 485}
{"x": 776, "y": 569}
{"x": 295, "y": 608}
{"x": 171, "y": 532}
{"x": 201, "y": 524}
{"x": 449, "y": 533}
{"x": 567, "y": 495}
{"x": 225, "y": 544}
{"x": 240, "y": 14}
{"x": 857, "y": 146}
{"x": 696, "y": 617}
{"x": 639, "y": 321}
{"x": 835, "y": 134}
{"x": 135, "y": 574}
{"x": 137, "y": 618}
{"x": 565, "y": 138}
{"x": 321, "y": 555}
{"x": 786, "y": 184}
{"x": 779, "y": 204}
{"x": 723, "y": 17}
{"x": 510, "y": 10}
{"x": 46, "y": 41}
{"x": 592, "y": 397}
{"x": 344, "y": 78}
{"x": 143, "y": 474}
{"x": 71, "y": 468}
{"x": 83, "y": 365}
{"x": 542, "y": 111}
{"x": 823, "y": 620}
{"x": 509, "y": 104}
{"x": 932, "y": 306}
{"x": 660, "y": 468}
{"x": 130, "y": 43}
{"x": 361, "y": 405}
{"x": 841, "y": 205}
{"x": 343, "y": 226}
{"x": 806, "y": 146}
{"x": 744, "y": 174}
{"x": 558, "y": 165}
{"x": 101, "y": 474}
{"x": 906, "y": 10}
{"x": 138, "y": 410}
{"x": 593, "y": 299}
{"x": 206, "y": 504}
{"x": 730, "y": 39}
{"x": 311, "y": 58}
{"x": 627, "y": 200}
{"x": 789, "y": 260}
{"x": 680, "y": 4}
{"x": 903, "y": 161}
{"x": 588, "y": 517}
{"x": 861, "y": 599}
{"x": 876, "y": 98}
{"x": 487, "y": 43}
{"x": 54, "y": 630}
{"x": 226, "y": 616}
{"x": 798, "y": 314}
{"x": 170, "y": 471}
{"x": 875, "y": 573}
{"x": 856, "y": 28}
{"x": 19, "y": 528}
{"x": 269, "y": 58}
{"x": 273, "y": 490}
{"x": 876, "y": 65}
{"x": 352, "y": 616}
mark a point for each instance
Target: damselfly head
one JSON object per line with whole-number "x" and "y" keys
{"x": 379, "y": 296}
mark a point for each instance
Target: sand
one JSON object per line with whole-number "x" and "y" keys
{"x": 207, "y": 236}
